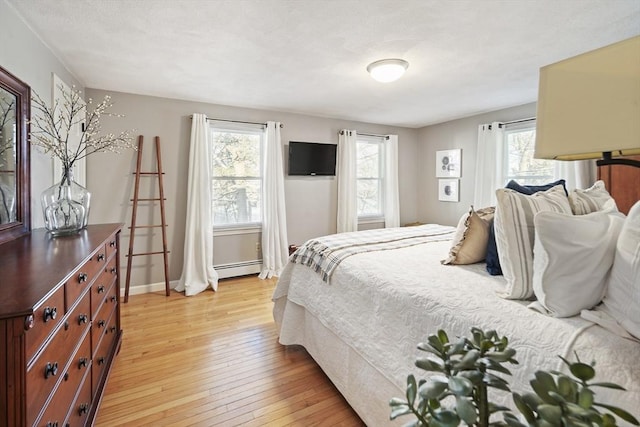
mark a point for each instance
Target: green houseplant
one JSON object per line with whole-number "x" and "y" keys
{"x": 467, "y": 369}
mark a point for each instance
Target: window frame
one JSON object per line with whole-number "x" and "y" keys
{"x": 238, "y": 128}
{"x": 379, "y": 141}
{"x": 529, "y": 125}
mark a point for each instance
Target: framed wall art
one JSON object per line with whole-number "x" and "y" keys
{"x": 448, "y": 163}
{"x": 448, "y": 190}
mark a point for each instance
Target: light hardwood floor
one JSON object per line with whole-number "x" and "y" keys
{"x": 214, "y": 360}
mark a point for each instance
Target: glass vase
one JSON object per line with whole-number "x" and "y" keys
{"x": 65, "y": 206}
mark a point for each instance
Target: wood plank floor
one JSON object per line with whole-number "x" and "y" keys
{"x": 214, "y": 360}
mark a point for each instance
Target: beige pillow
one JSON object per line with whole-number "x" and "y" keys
{"x": 515, "y": 234}
{"x": 592, "y": 199}
{"x": 469, "y": 243}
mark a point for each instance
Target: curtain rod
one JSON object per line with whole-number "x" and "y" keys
{"x": 238, "y": 121}
{"x": 367, "y": 134}
{"x": 513, "y": 122}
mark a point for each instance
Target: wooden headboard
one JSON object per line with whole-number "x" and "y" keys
{"x": 623, "y": 183}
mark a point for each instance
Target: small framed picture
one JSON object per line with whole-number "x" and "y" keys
{"x": 448, "y": 163}
{"x": 448, "y": 190}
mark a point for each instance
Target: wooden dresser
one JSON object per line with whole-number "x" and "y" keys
{"x": 59, "y": 325}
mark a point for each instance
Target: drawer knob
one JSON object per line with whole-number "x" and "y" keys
{"x": 112, "y": 243}
{"x": 28, "y": 322}
{"x": 82, "y": 363}
{"x": 49, "y": 313}
{"x": 50, "y": 424}
{"x": 83, "y": 318}
{"x": 50, "y": 370}
{"x": 113, "y": 270}
{"x": 83, "y": 277}
{"x": 101, "y": 360}
{"x": 113, "y": 329}
{"x": 83, "y": 409}
{"x": 100, "y": 289}
{"x": 113, "y": 298}
{"x": 100, "y": 257}
{"x": 101, "y": 323}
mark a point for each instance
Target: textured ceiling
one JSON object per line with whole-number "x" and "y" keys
{"x": 466, "y": 56}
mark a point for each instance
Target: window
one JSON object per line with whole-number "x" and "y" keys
{"x": 519, "y": 163}
{"x": 237, "y": 175}
{"x": 370, "y": 173}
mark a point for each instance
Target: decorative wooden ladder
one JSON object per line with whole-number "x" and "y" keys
{"x": 134, "y": 212}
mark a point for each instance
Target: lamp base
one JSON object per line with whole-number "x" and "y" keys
{"x": 608, "y": 160}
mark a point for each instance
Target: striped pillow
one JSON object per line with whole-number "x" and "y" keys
{"x": 515, "y": 234}
{"x": 590, "y": 200}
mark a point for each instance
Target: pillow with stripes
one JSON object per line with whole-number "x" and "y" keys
{"x": 515, "y": 234}
{"x": 592, "y": 199}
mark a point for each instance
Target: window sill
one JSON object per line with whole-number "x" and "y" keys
{"x": 232, "y": 230}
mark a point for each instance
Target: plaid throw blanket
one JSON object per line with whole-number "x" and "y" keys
{"x": 324, "y": 254}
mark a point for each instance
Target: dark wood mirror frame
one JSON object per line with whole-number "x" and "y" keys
{"x": 22, "y": 91}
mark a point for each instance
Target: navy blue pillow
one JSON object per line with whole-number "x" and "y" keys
{"x": 531, "y": 189}
{"x": 492, "y": 260}
{"x": 493, "y": 263}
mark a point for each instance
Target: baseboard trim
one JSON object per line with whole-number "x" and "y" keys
{"x": 145, "y": 289}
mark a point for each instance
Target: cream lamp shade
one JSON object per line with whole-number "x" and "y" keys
{"x": 589, "y": 105}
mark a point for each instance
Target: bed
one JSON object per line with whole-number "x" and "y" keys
{"x": 363, "y": 323}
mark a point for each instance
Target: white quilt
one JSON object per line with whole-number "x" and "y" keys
{"x": 382, "y": 304}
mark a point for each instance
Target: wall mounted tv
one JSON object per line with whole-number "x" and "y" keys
{"x": 312, "y": 158}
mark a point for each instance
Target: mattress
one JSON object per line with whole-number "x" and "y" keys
{"x": 364, "y": 325}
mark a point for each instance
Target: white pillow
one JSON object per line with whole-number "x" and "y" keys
{"x": 622, "y": 300}
{"x": 572, "y": 257}
{"x": 592, "y": 199}
{"x": 515, "y": 234}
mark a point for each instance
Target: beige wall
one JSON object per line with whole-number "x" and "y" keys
{"x": 24, "y": 55}
{"x": 310, "y": 201}
{"x": 462, "y": 133}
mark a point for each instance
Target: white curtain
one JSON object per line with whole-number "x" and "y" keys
{"x": 489, "y": 165}
{"x": 274, "y": 218}
{"x": 197, "y": 271}
{"x": 577, "y": 174}
{"x": 347, "y": 194}
{"x": 391, "y": 190}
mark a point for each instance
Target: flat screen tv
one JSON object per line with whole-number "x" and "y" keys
{"x": 312, "y": 158}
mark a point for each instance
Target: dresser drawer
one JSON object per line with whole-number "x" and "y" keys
{"x": 85, "y": 275}
{"x": 101, "y": 320}
{"x": 99, "y": 289}
{"x": 103, "y": 350}
{"x": 111, "y": 246}
{"x": 77, "y": 371}
{"x": 48, "y": 367}
{"x": 45, "y": 319}
{"x": 80, "y": 409}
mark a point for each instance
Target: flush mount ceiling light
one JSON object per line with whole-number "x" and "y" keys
{"x": 387, "y": 70}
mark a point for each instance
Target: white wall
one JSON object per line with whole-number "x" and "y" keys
{"x": 462, "y": 133}
{"x": 310, "y": 201}
{"x": 25, "y": 56}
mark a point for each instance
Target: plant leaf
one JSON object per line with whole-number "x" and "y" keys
{"x": 433, "y": 389}
{"x": 620, "y": 412}
{"x": 460, "y": 386}
{"x": 524, "y": 408}
{"x": 434, "y": 342}
{"x": 468, "y": 360}
{"x": 430, "y": 364}
{"x": 585, "y": 398}
{"x": 550, "y": 413}
{"x": 411, "y": 390}
{"x": 442, "y": 336}
{"x": 608, "y": 385}
{"x": 446, "y": 418}
{"x": 466, "y": 411}
{"x": 395, "y": 401}
{"x": 582, "y": 371}
{"x": 399, "y": 411}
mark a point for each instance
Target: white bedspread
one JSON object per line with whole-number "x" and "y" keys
{"x": 381, "y": 304}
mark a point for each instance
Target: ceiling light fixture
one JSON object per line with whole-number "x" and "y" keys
{"x": 387, "y": 70}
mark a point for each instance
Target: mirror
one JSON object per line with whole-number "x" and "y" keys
{"x": 15, "y": 106}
